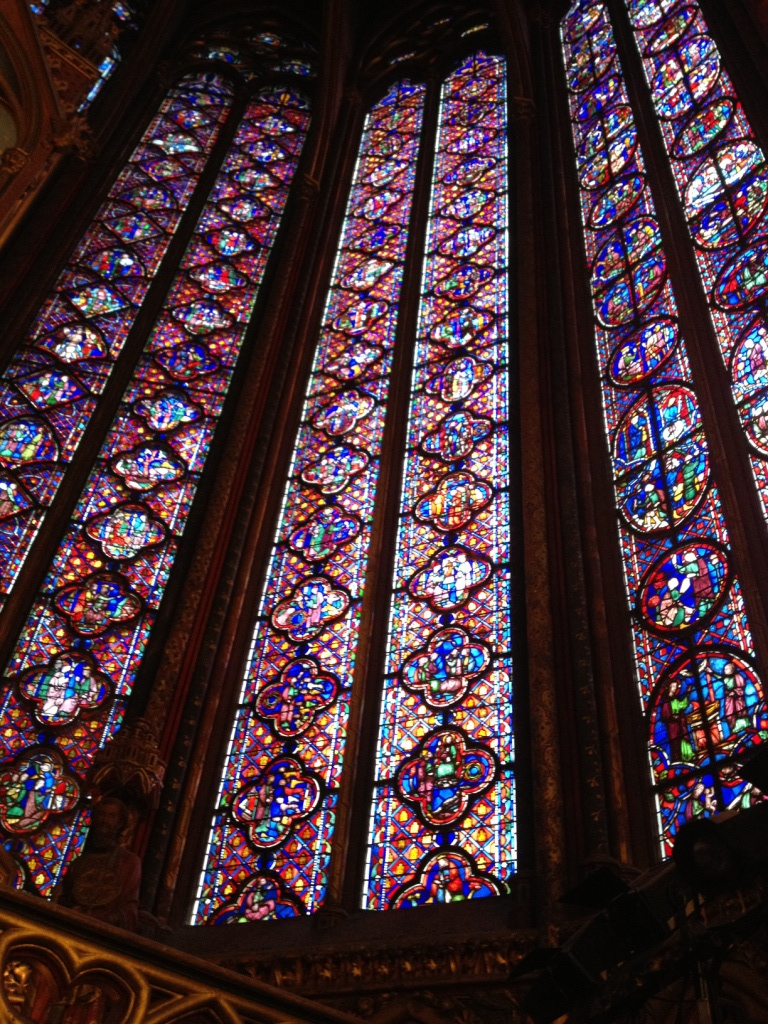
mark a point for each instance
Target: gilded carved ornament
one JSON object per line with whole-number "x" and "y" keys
{"x": 12, "y": 160}
{"x": 320, "y": 975}
{"x": 87, "y": 26}
{"x": 73, "y": 133}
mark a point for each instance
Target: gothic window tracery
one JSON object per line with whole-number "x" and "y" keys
{"x": 438, "y": 833}
{"x": 72, "y": 669}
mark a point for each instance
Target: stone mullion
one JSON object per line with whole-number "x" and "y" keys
{"x": 59, "y": 513}
{"x": 348, "y": 861}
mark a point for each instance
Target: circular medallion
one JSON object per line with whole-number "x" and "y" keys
{"x": 702, "y": 128}
{"x": 672, "y": 30}
{"x": 629, "y": 272}
{"x": 727, "y": 194}
{"x": 641, "y": 353}
{"x": 661, "y": 462}
{"x": 615, "y": 201}
{"x": 683, "y": 588}
{"x": 683, "y": 80}
{"x": 607, "y": 149}
{"x": 744, "y": 280}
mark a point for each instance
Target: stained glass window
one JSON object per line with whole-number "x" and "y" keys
{"x": 125, "y": 17}
{"x": 269, "y": 847}
{"x": 702, "y": 699}
{"x": 73, "y": 668}
{"x": 53, "y": 383}
{"x": 443, "y": 819}
{"x": 722, "y": 180}
{"x": 445, "y": 752}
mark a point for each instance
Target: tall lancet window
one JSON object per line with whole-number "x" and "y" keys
{"x": 443, "y": 816}
{"x": 73, "y": 667}
{"x": 702, "y": 700}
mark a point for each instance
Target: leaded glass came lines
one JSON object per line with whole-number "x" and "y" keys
{"x": 269, "y": 847}
{"x": 702, "y": 700}
{"x": 722, "y": 180}
{"x": 72, "y": 671}
{"x": 52, "y": 385}
{"x": 443, "y": 816}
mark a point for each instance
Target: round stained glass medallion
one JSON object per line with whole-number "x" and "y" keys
{"x": 646, "y": 13}
{"x": 749, "y": 365}
{"x": 683, "y": 588}
{"x": 754, "y": 414}
{"x": 641, "y": 354}
{"x": 607, "y": 149}
{"x": 661, "y": 460}
{"x": 744, "y": 280}
{"x": 727, "y": 194}
{"x": 629, "y": 272}
{"x": 615, "y": 201}
{"x": 684, "y": 79}
{"x": 703, "y": 128}
{"x": 599, "y": 99}
{"x": 705, "y": 705}
{"x": 469, "y": 171}
{"x": 672, "y": 30}
{"x": 589, "y": 58}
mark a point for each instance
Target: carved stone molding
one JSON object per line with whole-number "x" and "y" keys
{"x": 74, "y": 133}
{"x": 88, "y": 27}
{"x": 71, "y": 72}
{"x": 58, "y": 54}
{"x": 12, "y": 160}
{"x": 368, "y": 970}
{"x": 523, "y": 108}
{"x": 57, "y": 966}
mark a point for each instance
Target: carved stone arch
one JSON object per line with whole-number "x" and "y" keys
{"x": 41, "y": 88}
{"x": 24, "y": 80}
{"x": 431, "y": 33}
{"x": 40, "y": 981}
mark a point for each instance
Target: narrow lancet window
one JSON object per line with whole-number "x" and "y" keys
{"x": 443, "y": 816}
{"x": 702, "y": 701}
{"x": 269, "y": 848}
{"x": 722, "y": 180}
{"x": 52, "y": 385}
{"x": 72, "y": 671}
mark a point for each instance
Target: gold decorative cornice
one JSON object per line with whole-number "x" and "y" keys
{"x": 57, "y": 965}
{"x": 372, "y": 969}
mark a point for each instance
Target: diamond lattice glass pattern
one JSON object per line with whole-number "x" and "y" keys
{"x": 73, "y": 668}
{"x": 443, "y": 814}
{"x": 269, "y": 847}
